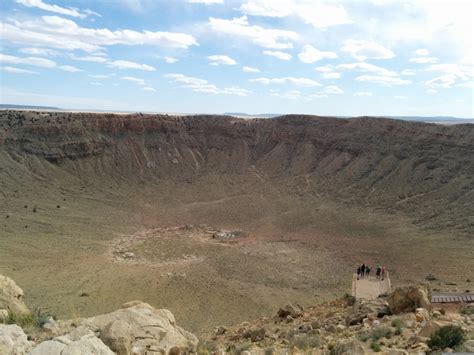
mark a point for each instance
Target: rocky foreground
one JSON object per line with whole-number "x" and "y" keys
{"x": 403, "y": 322}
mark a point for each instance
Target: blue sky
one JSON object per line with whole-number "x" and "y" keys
{"x": 377, "y": 57}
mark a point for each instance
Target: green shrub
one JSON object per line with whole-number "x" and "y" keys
{"x": 205, "y": 348}
{"x": 375, "y": 346}
{"x": 305, "y": 342}
{"x": 376, "y": 334}
{"x": 36, "y": 319}
{"x": 397, "y": 323}
{"x": 467, "y": 310}
{"x": 449, "y": 336}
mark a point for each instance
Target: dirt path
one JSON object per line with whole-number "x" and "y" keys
{"x": 370, "y": 287}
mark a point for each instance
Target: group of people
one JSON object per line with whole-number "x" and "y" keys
{"x": 364, "y": 271}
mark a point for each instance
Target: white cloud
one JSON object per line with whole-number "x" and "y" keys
{"x": 422, "y": 51}
{"x": 203, "y": 86}
{"x": 362, "y": 50}
{"x": 39, "y": 51}
{"x": 35, "y": 61}
{"x": 235, "y": 90}
{"x": 408, "y": 72}
{"x": 101, "y": 76}
{"x": 286, "y": 80}
{"x": 325, "y": 69}
{"x": 333, "y": 89}
{"x": 463, "y": 72}
{"x": 264, "y": 37}
{"x": 148, "y": 88}
{"x": 206, "y": 2}
{"x": 170, "y": 60}
{"x": 221, "y": 60}
{"x": 443, "y": 81}
{"x": 57, "y": 32}
{"x": 383, "y": 80}
{"x": 317, "y": 13}
{"x": 69, "y": 68}
{"x": 278, "y": 54}
{"x": 319, "y": 96}
{"x": 311, "y": 54}
{"x": 95, "y": 83}
{"x": 467, "y": 84}
{"x": 250, "y": 70}
{"x": 125, "y": 64}
{"x": 367, "y": 67}
{"x": 431, "y": 91}
{"x": 363, "y": 93}
{"x": 134, "y": 80}
{"x": 17, "y": 70}
{"x": 399, "y": 97}
{"x": 444, "y": 26}
{"x": 331, "y": 75}
{"x": 423, "y": 60}
{"x": 90, "y": 58}
{"x": 290, "y": 95}
{"x": 57, "y": 9}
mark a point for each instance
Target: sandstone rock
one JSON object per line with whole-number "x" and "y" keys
{"x": 255, "y": 334}
{"x": 362, "y": 308}
{"x": 408, "y": 320}
{"x": 50, "y": 327}
{"x": 50, "y": 347}
{"x": 372, "y": 316}
{"x": 90, "y": 346}
{"x": 469, "y": 345}
{"x": 13, "y": 340}
{"x": 397, "y": 352}
{"x": 80, "y": 341}
{"x": 3, "y": 315}
{"x": 11, "y": 297}
{"x": 139, "y": 326}
{"x": 422, "y": 314}
{"x": 118, "y": 333}
{"x": 292, "y": 310}
{"x": 431, "y": 327}
{"x": 220, "y": 330}
{"x": 409, "y": 298}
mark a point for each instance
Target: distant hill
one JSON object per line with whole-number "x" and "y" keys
{"x": 27, "y": 107}
{"x": 249, "y": 115}
{"x": 433, "y": 119}
{"x": 438, "y": 119}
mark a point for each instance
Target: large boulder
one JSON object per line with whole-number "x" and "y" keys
{"x": 139, "y": 328}
{"x": 362, "y": 308}
{"x": 13, "y": 340}
{"x": 79, "y": 341}
{"x": 292, "y": 310}
{"x": 11, "y": 297}
{"x": 409, "y": 298}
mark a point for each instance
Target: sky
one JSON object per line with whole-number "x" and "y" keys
{"x": 351, "y": 58}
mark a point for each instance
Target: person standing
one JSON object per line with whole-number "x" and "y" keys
{"x": 362, "y": 270}
{"x": 379, "y": 270}
{"x": 383, "y": 272}
{"x": 358, "y": 272}
{"x": 367, "y": 270}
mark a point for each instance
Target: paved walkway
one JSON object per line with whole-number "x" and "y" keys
{"x": 370, "y": 287}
